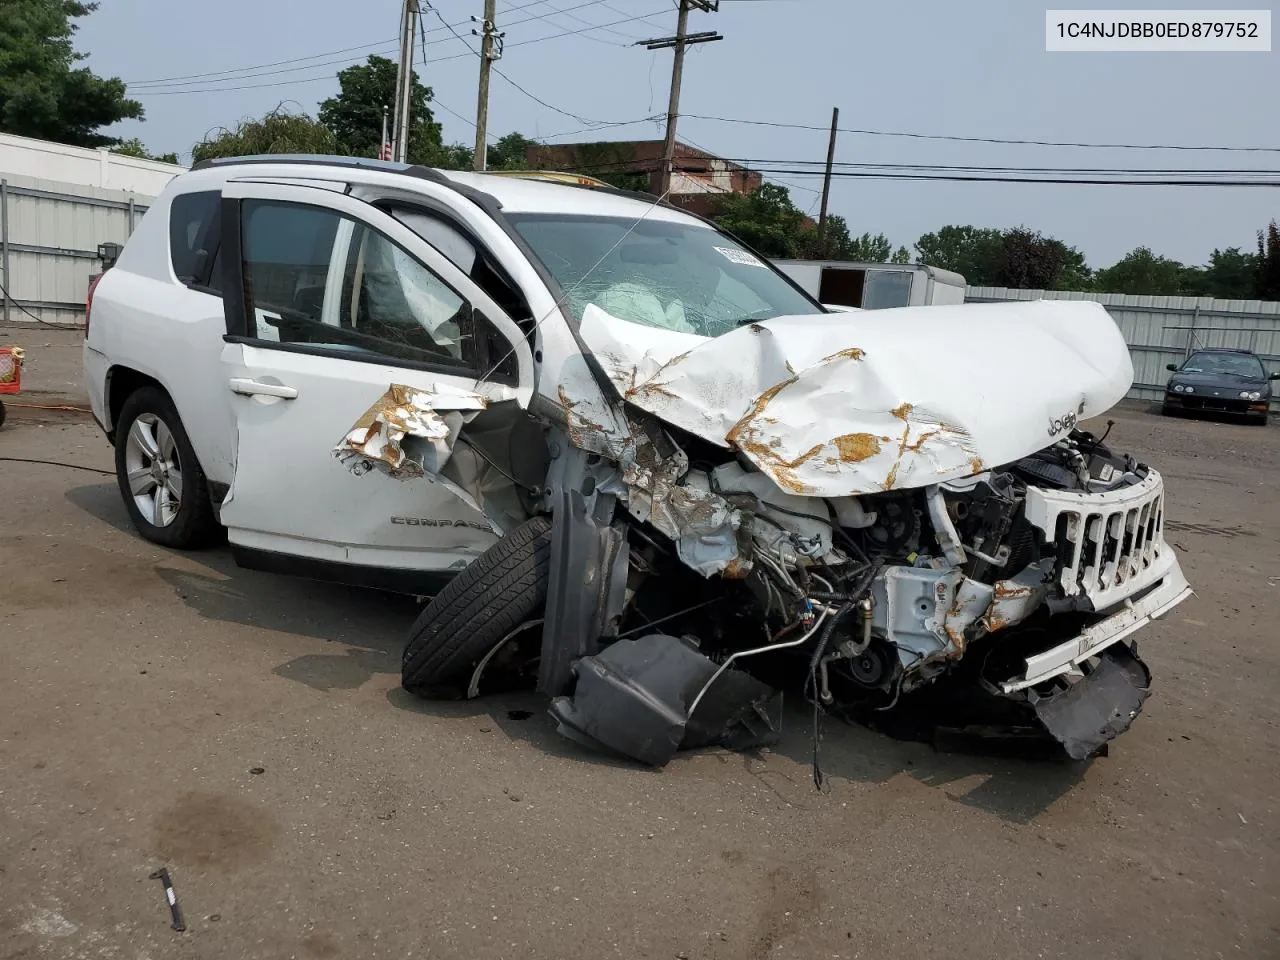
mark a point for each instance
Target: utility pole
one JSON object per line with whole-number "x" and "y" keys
{"x": 826, "y": 182}
{"x": 490, "y": 50}
{"x": 404, "y": 82}
{"x": 680, "y": 41}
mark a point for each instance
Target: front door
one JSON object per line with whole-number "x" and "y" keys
{"x": 335, "y": 304}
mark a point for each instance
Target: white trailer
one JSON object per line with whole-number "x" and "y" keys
{"x": 873, "y": 286}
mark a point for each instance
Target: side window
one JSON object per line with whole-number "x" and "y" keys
{"x": 193, "y": 235}
{"x": 376, "y": 299}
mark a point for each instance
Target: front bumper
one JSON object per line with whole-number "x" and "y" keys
{"x": 1195, "y": 402}
{"x": 1171, "y": 589}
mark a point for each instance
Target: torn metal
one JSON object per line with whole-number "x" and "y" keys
{"x": 436, "y": 416}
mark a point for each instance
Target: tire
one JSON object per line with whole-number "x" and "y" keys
{"x": 503, "y": 587}
{"x": 2, "y": 414}
{"x": 171, "y": 487}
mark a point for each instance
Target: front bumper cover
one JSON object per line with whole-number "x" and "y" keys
{"x": 1132, "y": 615}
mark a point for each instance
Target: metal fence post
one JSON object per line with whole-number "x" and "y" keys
{"x": 1191, "y": 333}
{"x": 4, "y": 245}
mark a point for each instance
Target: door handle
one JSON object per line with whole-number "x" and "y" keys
{"x": 252, "y": 388}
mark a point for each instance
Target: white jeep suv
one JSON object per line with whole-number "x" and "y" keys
{"x": 586, "y": 416}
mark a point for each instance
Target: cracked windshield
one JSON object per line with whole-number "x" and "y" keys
{"x": 675, "y": 276}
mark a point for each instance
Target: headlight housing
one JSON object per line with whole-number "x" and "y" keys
{"x": 1177, "y": 388}
{"x": 1189, "y": 389}
{"x": 1250, "y": 395}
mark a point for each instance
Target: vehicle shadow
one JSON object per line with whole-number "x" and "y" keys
{"x": 1015, "y": 789}
{"x": 368, "y": 627}
{"x": 521, "y": 716}
{"x": 1016, "y": 785}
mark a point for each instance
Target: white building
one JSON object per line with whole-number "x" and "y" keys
{"x": 57, "y": 204}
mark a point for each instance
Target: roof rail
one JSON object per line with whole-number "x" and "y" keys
{"x": 321, "y": 160}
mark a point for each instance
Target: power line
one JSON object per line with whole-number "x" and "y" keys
{"x": 329, "y": 76}
{"x": 245, "y": 73}
{"x": 527, "y": 93}
{"x": 276, "y": 63}
{"x": 982, "y": 168}
{"x": 861, "y": 175}
{"x": 939, "y": 136}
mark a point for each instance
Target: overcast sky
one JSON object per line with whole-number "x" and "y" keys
{"x": 973, "y": 68}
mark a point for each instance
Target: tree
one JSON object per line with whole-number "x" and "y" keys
{"x": 766, "y": 220}
{"x": 1026, "y": 260}
{"x": 42, "y": 94}
{"x": 1267, "y": 273}
{"x": 509, "y": 153}
{"x": 971, "y": 251}
{"x": 875, "y": 249}
{"x": 277, "y": 132}
{"x": 355, "y": 115}
{"x": 135, "y": 148}
{"x": 901, "y": 255}
{"x": 1018, "y": 257}
{"x": 1231, "y": 274}
{"x": 1143, "y": 273}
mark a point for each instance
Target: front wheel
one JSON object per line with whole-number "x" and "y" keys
{"x": 163, "y": 487}
{"x": 486, "y": 604}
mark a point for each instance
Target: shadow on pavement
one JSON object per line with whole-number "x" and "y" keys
{"x": 521, "y": 716}
{"x": 369, "y": 626}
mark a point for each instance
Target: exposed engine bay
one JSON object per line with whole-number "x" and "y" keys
{"x": 858, "y": 601}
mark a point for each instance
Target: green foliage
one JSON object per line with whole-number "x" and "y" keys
{"x": 509, "y": 153}
{"x": 766, "y": 220}
{"x": 42, "y": 93}
{"x": 1267, "y": 271}
{"x": 1231, "y": 274}
{"x": 1018, "y": 257}
{"x": 867, "y": 247}
{"x": 901, "y": 255}
{"x": 1143, "y": 273}
{"x": 277, "y": 132}
{"x": 355, "y": 114}
{"x": 971, "y": 251}
{"x": 136, "y": 148}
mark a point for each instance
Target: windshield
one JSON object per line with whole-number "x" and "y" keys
{"x": 1232, "y": 364}
{"x": 677, "y": 276}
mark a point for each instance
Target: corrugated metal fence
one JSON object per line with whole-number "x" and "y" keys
{"x": 49, "y": 244}
{"x": 1164, "y": 330}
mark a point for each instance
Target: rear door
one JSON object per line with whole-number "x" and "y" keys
{"x": 339, "y": 316}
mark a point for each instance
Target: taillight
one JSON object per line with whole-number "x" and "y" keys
{"x": 88, "y": 301}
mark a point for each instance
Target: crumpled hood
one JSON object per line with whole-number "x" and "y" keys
{"x": 844, "y": 404}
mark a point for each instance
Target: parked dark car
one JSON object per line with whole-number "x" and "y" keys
{"x": 1222, "y": 380}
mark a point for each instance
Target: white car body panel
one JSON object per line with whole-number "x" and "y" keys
{"x": 174, "y": 335}
{"x": 830, "y": 407}
{"x": 290, "y": 494}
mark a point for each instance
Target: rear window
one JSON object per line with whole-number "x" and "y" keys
{"x": 193, "y": 234}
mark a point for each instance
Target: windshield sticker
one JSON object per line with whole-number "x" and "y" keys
{"x": 734, "y": 255}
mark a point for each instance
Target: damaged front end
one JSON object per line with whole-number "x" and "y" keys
{"x": 765, "y": 512}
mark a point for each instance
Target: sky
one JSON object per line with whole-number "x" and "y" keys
{"x": 939, "y": 67}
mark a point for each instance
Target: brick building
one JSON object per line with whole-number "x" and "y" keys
{"x": 698, "y": 179}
